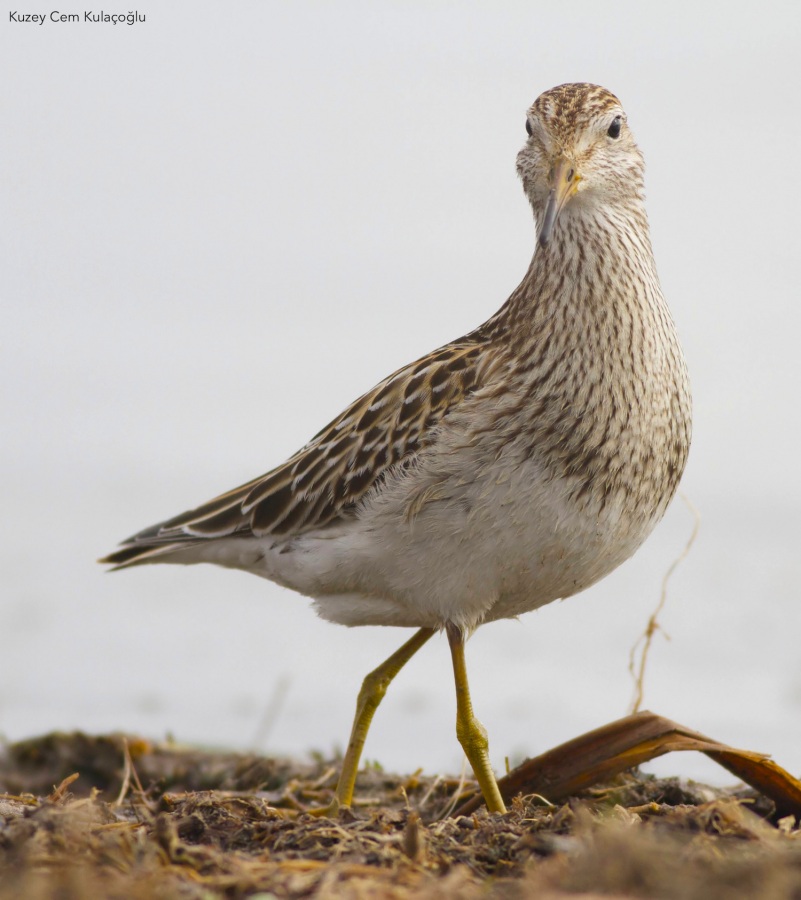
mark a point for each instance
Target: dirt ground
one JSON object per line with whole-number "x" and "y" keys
{"x": 159, "y": 821}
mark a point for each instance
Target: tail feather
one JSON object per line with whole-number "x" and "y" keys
{"x": 139, "y": 553}
{"x": 221, "y": 517}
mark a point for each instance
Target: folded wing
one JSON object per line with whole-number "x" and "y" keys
{"x": 325, "y": 479}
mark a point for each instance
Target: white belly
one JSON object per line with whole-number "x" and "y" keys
{"x": 502, "y": 544}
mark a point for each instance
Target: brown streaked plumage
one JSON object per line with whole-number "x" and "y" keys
{"x": 514, "y": 466}
{"x": 326, "y": 478}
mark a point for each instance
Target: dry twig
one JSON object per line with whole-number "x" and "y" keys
{"x": 646, "y": 638}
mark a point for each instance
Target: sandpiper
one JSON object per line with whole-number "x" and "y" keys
{"x": 514, "y": 466}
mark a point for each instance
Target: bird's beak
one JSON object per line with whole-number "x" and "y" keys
{"x": 564, "y": 184}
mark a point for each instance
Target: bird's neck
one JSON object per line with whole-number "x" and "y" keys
{"x": 598, "y": 265}
{"x": 587, "y": 346}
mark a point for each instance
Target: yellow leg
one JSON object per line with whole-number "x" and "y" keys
{"x": 471, "y": 733}
{"x": 371, "y": 694}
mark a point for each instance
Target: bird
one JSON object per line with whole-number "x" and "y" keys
{"x": 514, "y": 466}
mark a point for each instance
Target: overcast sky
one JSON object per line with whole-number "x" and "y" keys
{"x": 222, "y": 224}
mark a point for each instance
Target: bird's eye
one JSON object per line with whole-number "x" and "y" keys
{"x": 528, "y": 127}
{"x": 614, "y": 129}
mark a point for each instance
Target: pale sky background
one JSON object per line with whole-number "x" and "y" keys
{"x": 221, "y": 225}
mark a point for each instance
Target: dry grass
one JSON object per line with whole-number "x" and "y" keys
{"x": 160, "y": 822}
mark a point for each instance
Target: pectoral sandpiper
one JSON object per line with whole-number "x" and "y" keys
{"x": 514, "y": 466}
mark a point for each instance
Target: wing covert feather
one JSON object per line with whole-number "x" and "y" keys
{"x": 327, "y": 477}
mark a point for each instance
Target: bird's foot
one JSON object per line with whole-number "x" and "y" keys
{"x": 329, "y": 812}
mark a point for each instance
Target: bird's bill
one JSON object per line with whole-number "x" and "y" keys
{"x": 564, "y": 184}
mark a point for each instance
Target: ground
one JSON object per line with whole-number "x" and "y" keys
{"x": 158, "y": 821}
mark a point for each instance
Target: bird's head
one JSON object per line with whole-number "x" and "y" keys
{"x": 579, "y": 153}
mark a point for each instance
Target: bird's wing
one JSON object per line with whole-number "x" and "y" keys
{"x": 325, "y": 479}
